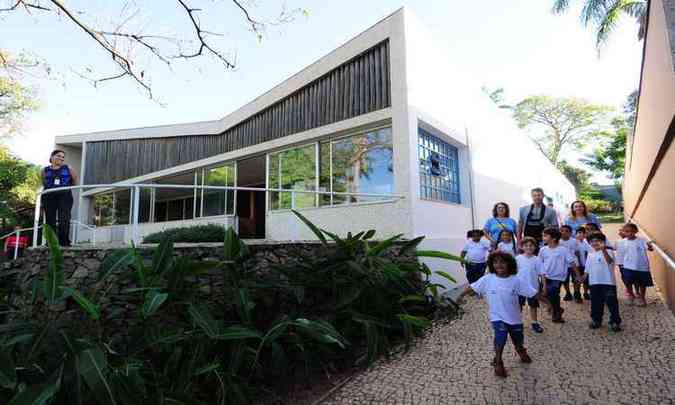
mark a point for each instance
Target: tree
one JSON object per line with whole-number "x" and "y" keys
{"x": 605, "y": 14}
{"x": 133, "y": 49}
{"x": 560, "y": 124}
{"x": 15, "y": 99}
{"x": 610, "y": 157}
{"x": 19, "y": 182}
{"x": 496, "y": 95}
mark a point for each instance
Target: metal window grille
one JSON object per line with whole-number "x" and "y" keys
{"x": 439, "y": 169}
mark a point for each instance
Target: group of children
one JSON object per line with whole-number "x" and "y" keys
{"x": 535, "y": 272}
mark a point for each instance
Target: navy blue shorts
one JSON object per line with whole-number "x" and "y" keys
{"x": 639, "y": 278}
{"x": 531, "y": 302}
{"x": 474, "y": 271}
{"x": 503, "y": 330}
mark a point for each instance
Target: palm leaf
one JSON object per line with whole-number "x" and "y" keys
{"x": 153, "y": 300}
{"x": 312, "y": 227}
{"x": 53, "y": 283}
{"x": 118, "y": 259}
{"x": 89, "y": 307}
{"x": 204, "y": 320}
{"x": 446, "y": 276}
{"x": 232, "y": 245}
{"x": 7, "y": 370}
{"x": 38, "y": 394}
{"x": 93, "y": 366}
{"x": 411, "y": 244}
{"x": 238, "y": 332}
{"x": 560, "y": 6}
{"x": 162, "y": 256}
{"x": 438, "y": 254}
{"x": 383, "y": 245}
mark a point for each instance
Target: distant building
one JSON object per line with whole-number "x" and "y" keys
{"x": 386, "y": 113}
{"x": 649, "y": 183}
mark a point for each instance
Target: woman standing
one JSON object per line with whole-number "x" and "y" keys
{"x": 579, "y": 216}
{"x": 499, "y": 222}
{"x": 58, "y": 204}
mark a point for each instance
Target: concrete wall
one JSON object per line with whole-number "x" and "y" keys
{"x": 656, "y": 113}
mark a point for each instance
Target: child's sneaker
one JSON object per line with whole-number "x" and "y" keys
{"x": 594, "y": 325}
{"x": 537, "y": 328}
{"x": 568, "y": 297}
{"x": 615, "y": 327}
{"x": 524, "y": 357}
{"x": 500, "y": 371}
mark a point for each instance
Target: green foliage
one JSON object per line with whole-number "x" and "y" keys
{"x": 16, "y": 99}
{"x": 605, "y": 15}
{"x": 347, "y": 306}
{"x": 560, "y": 124}
{"x": 190, "y": 234}
{"x": 19, "y": 182}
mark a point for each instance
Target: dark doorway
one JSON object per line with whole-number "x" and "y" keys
{"x": 251, "y": 204}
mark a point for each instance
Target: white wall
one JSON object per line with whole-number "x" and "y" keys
{"x": 506, "y": 165}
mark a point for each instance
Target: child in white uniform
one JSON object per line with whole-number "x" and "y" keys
{"x": 584, "y": 250}
{"x": 556, "y": 260}
{"x": 567, "y": 241}
{"x": 600, "y": 276}
{"x": 635, "y": 261}
{"x": 474, "y": 255}
{"x": 501, "y": 288}
{"x": 531, "y": 272}
{"x": 507, "y": 243}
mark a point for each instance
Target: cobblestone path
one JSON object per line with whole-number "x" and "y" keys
{"x": 572, "y": 364}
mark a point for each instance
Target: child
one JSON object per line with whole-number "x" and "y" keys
{"x": 556, "y": 260}
{"x": 571, "y": 244}
{"x": 635, "y": 261}
{"x": 600, "y": 276}
{"x": 584, "y": 250}
{"x": 530, "y": 272}
{"x": 474, "y": 255}
{"x": 591, "y": 227}
{"x": 507, "y": 242}
{"x": 502, "y": 288}
{"x": 618, "y": 259}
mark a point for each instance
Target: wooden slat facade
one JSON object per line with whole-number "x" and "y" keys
{"x": 357, "y": 87}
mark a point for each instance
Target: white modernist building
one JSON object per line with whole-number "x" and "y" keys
{"x": 389, "y": 133}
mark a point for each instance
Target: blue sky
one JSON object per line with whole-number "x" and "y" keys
{"x": 515, "y": 44}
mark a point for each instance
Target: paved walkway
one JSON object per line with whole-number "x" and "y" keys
{"x": 572, "y": 364}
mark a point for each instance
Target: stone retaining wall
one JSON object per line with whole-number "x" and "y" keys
{"x": 81, "y": 271}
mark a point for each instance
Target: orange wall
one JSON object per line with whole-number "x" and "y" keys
{"x": 656, "y": 212}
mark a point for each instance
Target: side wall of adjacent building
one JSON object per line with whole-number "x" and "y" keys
{"x": 649, "y": 191}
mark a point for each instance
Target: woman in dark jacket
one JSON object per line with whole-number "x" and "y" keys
{"x": 58, "y": 204}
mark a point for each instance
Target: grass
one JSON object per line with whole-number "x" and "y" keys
{"x": 611, "y": 218}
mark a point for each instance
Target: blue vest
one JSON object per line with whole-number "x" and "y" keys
{"x": 60, "y": 177}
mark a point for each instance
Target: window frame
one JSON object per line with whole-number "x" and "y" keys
{"x": 424, "y": 137}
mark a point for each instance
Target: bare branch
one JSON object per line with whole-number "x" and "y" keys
{"x": 26, "y": 5}
{"x": 255, "y": 25}
{"x": 203, "y": 45}
{"x": 120, "y": 60}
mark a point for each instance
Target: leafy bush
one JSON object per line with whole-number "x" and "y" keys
{"x": 189, "y": 234}
{"x": 599, "y": 206}
{"x": 349, "y": 305}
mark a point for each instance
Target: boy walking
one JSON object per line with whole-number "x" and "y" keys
{"x": 635, "y": 261}
{"x": 600, "y": 275}
{"x": 474, "y": 255}
{"x": 555, "y": 261}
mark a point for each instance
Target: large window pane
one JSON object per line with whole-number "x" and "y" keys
{"x": 102, "y": 209}
{"x": 363, "y": 164}
{"x": 217, "y": 202}
{"x": 439, "y": 169}
{"x": 171, "y": 204}
{"x": 122, "y": 206}
{"x": 293, "y": 169}
{"x": 324, "y": 173}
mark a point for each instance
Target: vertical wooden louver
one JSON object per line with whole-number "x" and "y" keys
{"x": 357, "y": 87}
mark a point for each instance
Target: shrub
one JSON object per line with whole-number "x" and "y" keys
{"x": 189, "y": 234}
{"x": 599, "y": 206}
{"x": 349, "y": 305}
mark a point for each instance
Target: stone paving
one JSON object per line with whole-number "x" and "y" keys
{"x": 572, "y": 364}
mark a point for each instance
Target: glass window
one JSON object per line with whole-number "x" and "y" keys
{"x": 363, "y": 164}
{"x": 439, "y": 169}
{"x": 171, "y": 204}
{"x": 324, "y": 173}
{"x": 111, "y": 208}
{"x": 293, "y": 169}
{"x": 217, "y": 202}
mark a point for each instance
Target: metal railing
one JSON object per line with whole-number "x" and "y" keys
{"x": 17, "y": 232}
{"x": 76, "y": 230}
{"x": 136, "y": 193}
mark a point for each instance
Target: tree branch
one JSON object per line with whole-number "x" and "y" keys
{"x": 203, "y": 45}
{"x": 120, "y": 60}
